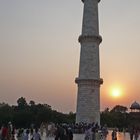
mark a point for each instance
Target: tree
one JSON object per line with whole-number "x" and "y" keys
{"x": 21, "y": 102}
{"x": 6, "y": 113}
{"x": 106, "y": 110}
{"x": 119, "y": 108}
{"x": 32, "y": 102}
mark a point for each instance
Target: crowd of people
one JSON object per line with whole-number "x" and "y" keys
{"x": 45, "y": 131}
{"x": 134, "y": 133}
{"x": 56, "y": 131}
{"x": 61, "y": 132}
{"x": 95, "y": 132}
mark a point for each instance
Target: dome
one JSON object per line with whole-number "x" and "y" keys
{"x": 135, "y": 105}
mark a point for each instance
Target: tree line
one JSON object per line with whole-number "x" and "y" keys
{"x": 24, "y": 114}
{"x": 119, "y": 117}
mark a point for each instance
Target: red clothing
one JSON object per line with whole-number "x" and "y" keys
{"x": 4, "y": 132}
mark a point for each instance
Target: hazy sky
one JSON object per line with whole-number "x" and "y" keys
{"x": 39, "y": 51}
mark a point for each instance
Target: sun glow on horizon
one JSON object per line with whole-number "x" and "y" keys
{"x": 116, "y": 92}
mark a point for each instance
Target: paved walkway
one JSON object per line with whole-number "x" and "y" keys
{"x": 76, "y": 137}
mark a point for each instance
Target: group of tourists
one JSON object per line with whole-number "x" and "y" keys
{"x": 134, "y": 133}
{"x": 55, "y": 131}
{"x": 8, "y": 132}
{"x": 62, "y": 132}
{"x": 95, "y": 132}
{"x": 45, "y": 132}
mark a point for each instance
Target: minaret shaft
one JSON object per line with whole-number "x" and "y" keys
{"x": 90, "y": 18}
{"x": 88, "y": 99}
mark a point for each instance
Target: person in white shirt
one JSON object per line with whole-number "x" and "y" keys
{"x": 36, "y": 135}
{"x": 26, "y": 135}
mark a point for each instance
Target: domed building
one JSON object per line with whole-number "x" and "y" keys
{"x": 135, "y": 107}
{"x": 134, "y": 115}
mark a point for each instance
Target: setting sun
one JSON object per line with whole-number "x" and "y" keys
{"x": 116, "y": 92}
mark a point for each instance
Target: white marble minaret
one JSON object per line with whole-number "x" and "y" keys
{"x": 88, "y": 99}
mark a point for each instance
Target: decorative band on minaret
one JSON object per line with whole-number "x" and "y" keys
{"x": 90, "y": 38}
{"x": 89, "y": 81}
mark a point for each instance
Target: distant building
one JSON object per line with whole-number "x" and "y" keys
{"x": 135, "y": 107}
{"x": 134, "y": 115}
